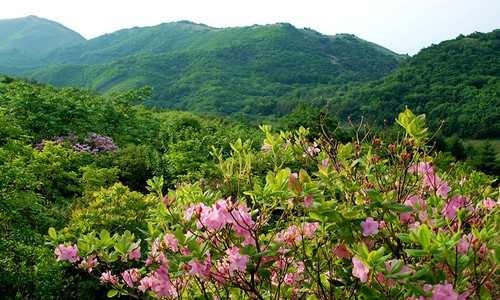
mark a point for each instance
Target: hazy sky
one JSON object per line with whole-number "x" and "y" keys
{"x": 404, "y": 26}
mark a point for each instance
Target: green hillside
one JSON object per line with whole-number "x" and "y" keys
{"x": 25, "y": 40}
{"x": 456, "y": 81}
{"x": 249, "y": 70}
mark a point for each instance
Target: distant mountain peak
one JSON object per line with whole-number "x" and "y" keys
{"x": 35, "y": 34}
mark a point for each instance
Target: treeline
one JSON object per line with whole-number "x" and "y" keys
{"x": 73, "y": 156}
{"x": 59, "y": 146}
{"x": 250, "y": 71}
{"x": 456, "y": 81}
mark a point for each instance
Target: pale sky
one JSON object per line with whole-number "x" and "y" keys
{"x": 403, "y": 26}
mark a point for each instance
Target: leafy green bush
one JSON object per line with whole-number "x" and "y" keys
{"x": 370, "y": 219}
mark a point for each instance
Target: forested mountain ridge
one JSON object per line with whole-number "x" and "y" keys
{"x": 457, "y": 81}
{"x": 257, "y": 71}
{"x": 250, "y": 70}
{"x": 23, "y": 41}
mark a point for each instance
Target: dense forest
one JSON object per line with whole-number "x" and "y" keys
{"x": 59, "y": 146}
{"x": 75, "y": 159}
{"x": 264, "y": 72}
{"x": 456, "y": 81}
{"x": 244, "y": 70}
{"x": 278, "y": 183}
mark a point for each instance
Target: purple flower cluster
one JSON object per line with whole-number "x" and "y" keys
{"x": 94, "y": 144}
{"x": 97, "y": 143}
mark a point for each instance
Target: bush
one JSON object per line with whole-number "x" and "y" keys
{"x": 369, "y": 219}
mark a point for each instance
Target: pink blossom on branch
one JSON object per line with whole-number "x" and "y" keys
{"x": 360, "y": 270}
{"x": 369, "y": 226}
{"x": 69, "y": 253}
{"x": 130, "y": 277}
{"x": 237, "y": 262}
{"x": 108, "y": 277}
{"x": 135, "y": 254}
{"x": 308, "y": 201}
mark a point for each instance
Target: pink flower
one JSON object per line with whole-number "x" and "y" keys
{"x": 146, "y": 283}
{"x": 360, "y": 270}
{"x": 324, "y": 162}
{"x": 198, "y": 268}
{"x": 489, "y": 204}
{"x": 130, "y": 277}
{"x": 308, "y": 201}
{"x": 170, "y": 242}
{"x": 369, "y": 227}
{"x": 312, "y": 150}
{"x": 88, "y": 263}
{"x": 443, "y": 190}
{"x": 267, "y": 147}
{"x": 108, "y": 277}
{"x": 457, "y": 202}
{"x": 444, "y": 292}
{"x": 241, "y": 222}
{"x": 463, "y": 245}
{"x": 433, "y": 182}
{"x": 342, "y": 252}
{"x": 310, "y": 229}
{"x": 69, "y": 253}
{"x": 290, "y": 278}
{"x": 189, "y": 212}
{"x": 237, "y": 262}
{"x": 135, "y": 254}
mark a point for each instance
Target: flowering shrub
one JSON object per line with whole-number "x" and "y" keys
{"x": 94, "y": 144}
{"x": 371, "y": 219}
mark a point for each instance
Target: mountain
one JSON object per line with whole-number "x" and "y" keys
{"x": 254, "y": 70}
{"x": 24, "y": 40}
{"x": 457, "y": 81}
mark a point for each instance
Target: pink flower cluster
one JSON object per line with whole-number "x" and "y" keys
{"x": 457, "y": 202}
{"x": 135, "y": 254}
{"x": 201, "y": 269}
{"x": 433, "y": 182}
{"x": 69, "y": 253}
{"x": 223, "y": 213}
{"x": 294, "y": 234}
{"x": 442, "y": 292}
{"x": 360, "y": 270}
{"x": 160, "y": 283}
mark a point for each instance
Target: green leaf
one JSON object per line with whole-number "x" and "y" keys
{"x": 399, "y": 208}
{"x": 374, "y": 195}
{"x": 424, "y": 235}
{"x": 104, "y": 236}
{"x": 264, "y": 273}
{"x": 194, "y": 246}
{"x": 484, "y": 293}
{"x": 52, "y": 233}
{"x": 345, "y": 151}
{"x": 317, "y": 216}
{"x": 333, "y": 215}
{"x": 112, "y": 293}
{"x": 415, "y": 252}
{"x": 397, "y": 267}
{"x": 180, "y": 236}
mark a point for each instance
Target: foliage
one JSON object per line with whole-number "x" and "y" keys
{"x": 486, "y": 159}
{"x": 25, "y": 39}
{"x": 47, "y": 181}
{"x": 455, "y": 81}
{"x": 194, "y": 67}
{"x": 368, "y": 219}
{"x": 115, "y": 208}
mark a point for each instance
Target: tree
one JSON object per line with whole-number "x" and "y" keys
{"x": 486, "y": 159}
